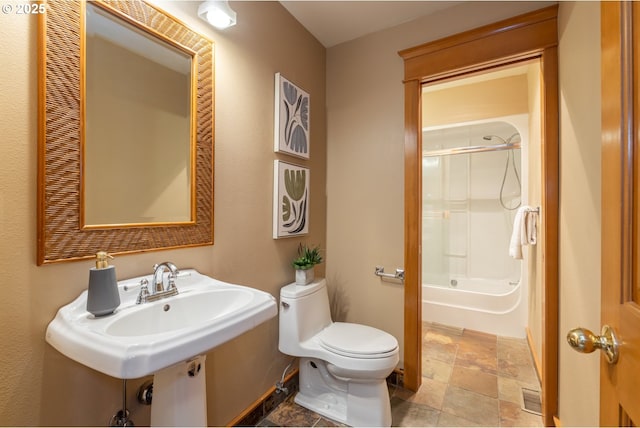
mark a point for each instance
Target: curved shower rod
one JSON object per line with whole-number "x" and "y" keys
{"x": 471, "y": 149}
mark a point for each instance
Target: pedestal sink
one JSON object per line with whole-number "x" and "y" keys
{"x": 167, "y": 338}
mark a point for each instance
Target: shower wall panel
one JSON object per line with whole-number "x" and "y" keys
{"x": 466, "y": 231}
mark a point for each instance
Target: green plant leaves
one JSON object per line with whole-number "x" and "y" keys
{"x": 307, "y": 257}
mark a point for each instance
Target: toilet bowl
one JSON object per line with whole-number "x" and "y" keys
{"x": 343, "y": 366}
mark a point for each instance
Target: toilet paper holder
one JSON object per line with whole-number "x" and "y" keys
{"x": 399, "y": 274}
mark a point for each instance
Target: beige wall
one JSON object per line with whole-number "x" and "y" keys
{"x": 365, "y": 143}
{"x": 365, "y": 169}
{"x": 534, "y": 254}
{"x": 364, "y": 188}
{"x": 135, "y": 173}
{"x": 580, "y": 218}
{"x": 475, "y": 101}
{"x": 40, "y": 386}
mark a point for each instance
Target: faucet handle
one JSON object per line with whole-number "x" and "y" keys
{"x": 172, "y": 282}
{"x": 144, "y": 291}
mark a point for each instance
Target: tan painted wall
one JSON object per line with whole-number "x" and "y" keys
{"x": 365, "y": 143}
{"x": 475, "y": 101}
{"x": 580, "y": 219}
{"x": 534, "y": 259}
{"x": 40, "y": 386}
{"x": 364, "y": 209}
{"x": 151, "y": 164}
{"x": 365, "y": 168}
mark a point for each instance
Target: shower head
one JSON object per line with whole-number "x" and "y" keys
{"x": 491, "y": 137}
{"x": 502, "y": 140}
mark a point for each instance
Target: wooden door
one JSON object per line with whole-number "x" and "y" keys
{"x": 620, "y": 25}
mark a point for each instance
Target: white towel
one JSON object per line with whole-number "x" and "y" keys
{"x": 524, "y": 231}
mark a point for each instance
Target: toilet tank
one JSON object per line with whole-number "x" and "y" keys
{"x": 304, "y": 312}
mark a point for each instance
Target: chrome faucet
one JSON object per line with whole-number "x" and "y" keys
{"x": 158, "y": 272}
{"x": 158, "y": 289}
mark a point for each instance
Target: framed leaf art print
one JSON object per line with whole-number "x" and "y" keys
{"x": 290, "y": 200}
{"x": 292, "y": 104}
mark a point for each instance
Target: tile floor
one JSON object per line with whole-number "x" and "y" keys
{"x": 469, "y": 379}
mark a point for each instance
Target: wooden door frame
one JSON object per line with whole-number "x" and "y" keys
{"x": 524, "y": 37}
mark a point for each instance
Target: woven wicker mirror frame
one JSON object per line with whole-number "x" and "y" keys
{"x": 60, "y": 235}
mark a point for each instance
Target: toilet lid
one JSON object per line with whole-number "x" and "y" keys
{"x": 356, "y": 340}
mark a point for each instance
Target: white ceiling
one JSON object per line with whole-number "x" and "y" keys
{"x": 335, "y": 22}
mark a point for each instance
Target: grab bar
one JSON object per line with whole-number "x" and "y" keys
{"x": 381, "y": 273}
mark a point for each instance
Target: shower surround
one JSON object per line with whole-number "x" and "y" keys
{"x": 471, "y": 172}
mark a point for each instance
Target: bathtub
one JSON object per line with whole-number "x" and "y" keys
{"x": 491, "y": 306}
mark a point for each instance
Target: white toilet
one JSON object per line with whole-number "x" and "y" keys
{"x": 343, "y": 366}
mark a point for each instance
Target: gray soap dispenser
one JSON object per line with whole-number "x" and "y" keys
{"x": 103, "y": 296}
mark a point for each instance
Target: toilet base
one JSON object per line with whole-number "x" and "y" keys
{"x": 354, "y": 403}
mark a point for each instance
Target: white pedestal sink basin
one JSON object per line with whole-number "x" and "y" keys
{"x": 143, "y": 339}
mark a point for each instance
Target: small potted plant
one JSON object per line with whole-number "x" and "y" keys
{"x": 304, "y": 263}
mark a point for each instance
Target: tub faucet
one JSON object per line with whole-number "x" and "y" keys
{"x": 158, "y": 290}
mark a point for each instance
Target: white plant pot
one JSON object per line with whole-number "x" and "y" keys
{"x": 304, "y": 277}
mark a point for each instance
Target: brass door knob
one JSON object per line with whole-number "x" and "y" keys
{"x": 583, "y": 340}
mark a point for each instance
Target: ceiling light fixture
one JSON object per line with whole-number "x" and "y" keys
{"x": 217, "y": 13}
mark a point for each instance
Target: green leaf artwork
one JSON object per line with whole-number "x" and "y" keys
{"x": 291, "y": 200}
{"x": 295, "y": 183}
{"x": 286, "y": 208}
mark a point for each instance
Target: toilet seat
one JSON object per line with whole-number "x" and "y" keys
{"x": 357, "y": 341}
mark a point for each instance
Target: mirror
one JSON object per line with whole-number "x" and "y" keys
{"x": 107, "y": 176}
{"x": 139, "y": 171}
